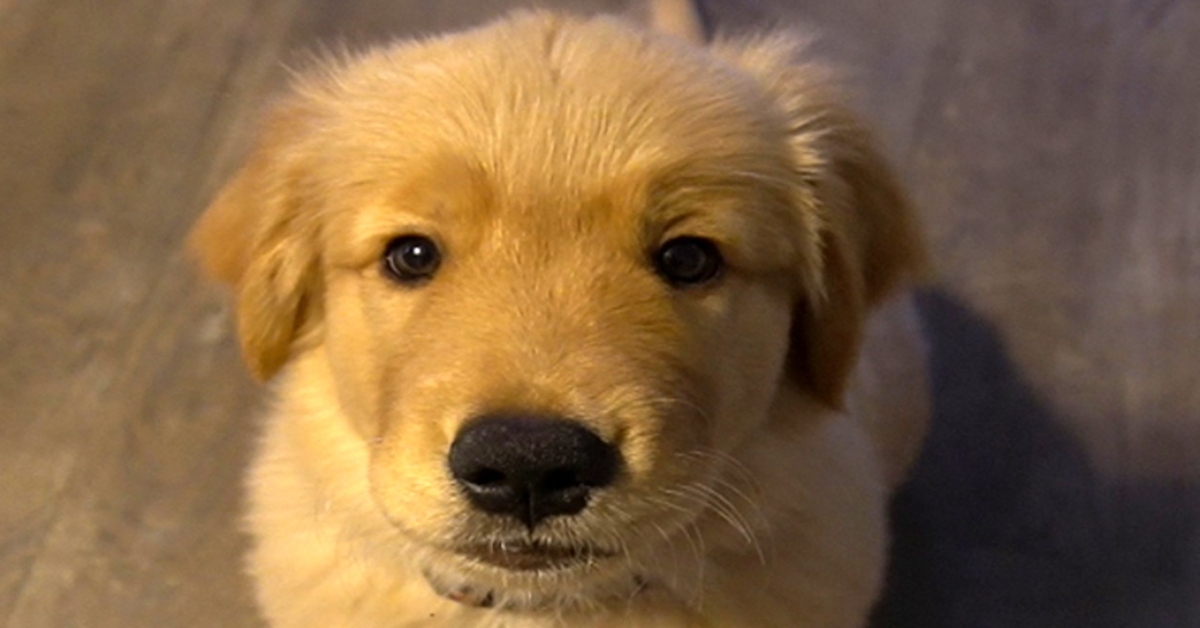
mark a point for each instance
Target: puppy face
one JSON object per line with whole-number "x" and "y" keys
{"x": 559, "y": 270}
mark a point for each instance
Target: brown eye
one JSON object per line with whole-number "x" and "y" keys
{"x": 411, "y": 259}
{"x": 688, "y": 261}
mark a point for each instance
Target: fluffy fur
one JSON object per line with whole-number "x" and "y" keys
{"x": 549, "y": 156}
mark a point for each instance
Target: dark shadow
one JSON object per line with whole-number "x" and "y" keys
{"x": 1004, "y": 524}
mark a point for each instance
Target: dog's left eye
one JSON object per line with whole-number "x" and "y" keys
{"x": 410, "y": 259}
{"x": 688, "y": 261}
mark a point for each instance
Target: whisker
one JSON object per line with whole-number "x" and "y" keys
{"x": 740, "y": 483}
{"x": 700, "y": 562}
{"x": 725, "y": 461}
{"x": 729, "y": 512}
{"x": 696, "y": 544}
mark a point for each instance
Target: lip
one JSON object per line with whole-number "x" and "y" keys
{"x": 535, "y": 556}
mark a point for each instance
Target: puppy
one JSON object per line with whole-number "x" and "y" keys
{"x": 562, "y": 319}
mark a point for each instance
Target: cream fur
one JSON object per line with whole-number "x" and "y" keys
{"x": 545, "y": 154}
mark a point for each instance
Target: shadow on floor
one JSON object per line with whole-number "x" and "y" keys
{"x": 1005, "y": 525}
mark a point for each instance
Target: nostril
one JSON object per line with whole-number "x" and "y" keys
{"x": 485, "y": 478}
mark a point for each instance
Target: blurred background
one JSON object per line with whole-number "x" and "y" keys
{"x": 1053, "y": 147}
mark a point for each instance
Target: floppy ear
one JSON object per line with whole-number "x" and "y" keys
{"x": 869, "y": 247}
{"x": 867, "y": 242}
{"x": 257, "y": 237}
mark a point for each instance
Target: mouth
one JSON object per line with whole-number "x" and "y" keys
{"x": 534, "y": 556}
{"x": 536, "y": 560}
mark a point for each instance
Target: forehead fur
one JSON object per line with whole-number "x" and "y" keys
{"x": 553, "y": 90}
{"x": 551, "y": 106}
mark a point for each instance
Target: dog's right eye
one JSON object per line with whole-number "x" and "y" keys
{"x": 411, "y": 259}
{"x": 688, "y": 261}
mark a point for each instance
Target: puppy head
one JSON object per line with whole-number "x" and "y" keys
{"x": 559, "y": 269}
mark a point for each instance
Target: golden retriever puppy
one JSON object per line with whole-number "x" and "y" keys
{"x": 562, "y": 318}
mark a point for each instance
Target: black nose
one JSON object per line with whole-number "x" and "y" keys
{"x": 531, "y": 468}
